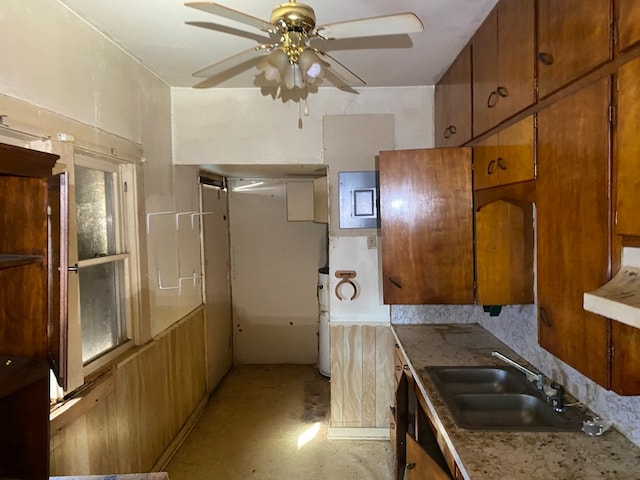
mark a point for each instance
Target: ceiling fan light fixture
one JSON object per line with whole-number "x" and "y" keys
{"x": 274, "y": 66}
{"x": 311, "y": 65}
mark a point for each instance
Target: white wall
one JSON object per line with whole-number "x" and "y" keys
{"x": 60, "y": 75}
{"x": 274, "y": 274}
{"x": 241, "y": 126}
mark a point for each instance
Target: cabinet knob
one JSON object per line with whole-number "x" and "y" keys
{"x": 410, "y": 466}
{"x": 545, "y": 58}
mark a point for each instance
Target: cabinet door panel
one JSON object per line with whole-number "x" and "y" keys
{"x": 426, "y": 224}
{"x": 628, "y": 150}
{"x": 573, "y": 39}
{"x": 420, "y": 465}
{"x": 460, "y": 98}
{"x": 485, "y": 74}
{"x": 515, "y": 47}
{"x": 573, "y": 227}
{"x": 628, "y": 23}
{"x": 515, "y": 153}
{"x": 504, "y": 254}
{"x": 485, "y": 171}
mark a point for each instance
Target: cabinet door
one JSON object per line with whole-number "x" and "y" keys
{"x": 628, "y": 23}
{"x": 573, "y": 227}
{"x": 420, "y": 466}
{"x": 453, "y": 103}
{"x": 426, "y": 226}
{"x": 504, "y": 254}
{"x": 628, "y": 150}
{"x": 484, "y": 163}
{"x": 442, "y": 110}
{"x": 506, "y": 157}
{"x": 516, "y": 57}
{"x": 573, "y": 39}
{"x": 485, "y": 74}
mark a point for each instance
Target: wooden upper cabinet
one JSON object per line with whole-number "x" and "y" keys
{"x": 574, "y": 37}
{"x": 504, "y": 40}
{"x": 506, "y": 157}
{"x": 627, "y": 148}
{"x": 573, "y": 227}
{"x": 453, "y": 103}
{"x": 628, "y": 18}
{"x": 504, "y": 254}
{"x": 426, "y": 210}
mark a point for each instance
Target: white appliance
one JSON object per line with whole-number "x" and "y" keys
{"x": 324, "y": 360}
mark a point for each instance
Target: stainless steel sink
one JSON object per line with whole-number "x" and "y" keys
{"x": 499, "y": 398}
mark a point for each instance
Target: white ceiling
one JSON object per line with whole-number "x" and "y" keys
{"x": 154, "y": 32}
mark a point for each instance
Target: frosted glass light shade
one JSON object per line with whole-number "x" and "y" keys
{"x": 311, "y": 65}
{"x": 274, "y": 66}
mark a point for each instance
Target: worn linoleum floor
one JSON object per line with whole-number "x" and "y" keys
{"x": 256, "y": 424}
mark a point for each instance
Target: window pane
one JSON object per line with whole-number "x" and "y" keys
{"x": 102, "y": 308}
{"x": 95, "y": 209}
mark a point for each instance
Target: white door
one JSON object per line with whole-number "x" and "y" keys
{"x": 217, "y": 286}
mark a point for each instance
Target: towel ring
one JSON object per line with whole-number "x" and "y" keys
{"x": 346, "y": 276}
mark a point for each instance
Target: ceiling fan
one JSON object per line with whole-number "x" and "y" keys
{"x": 286, "y": 57}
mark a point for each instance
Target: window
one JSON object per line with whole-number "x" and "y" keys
{"x": 104, "y": 297}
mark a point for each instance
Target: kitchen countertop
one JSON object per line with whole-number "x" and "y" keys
{"x": 507, "y": 455}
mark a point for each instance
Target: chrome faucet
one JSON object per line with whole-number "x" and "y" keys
{"x": 538, "y": 378}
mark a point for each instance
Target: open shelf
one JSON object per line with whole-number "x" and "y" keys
{"x": 7, "y": 261}
{"x": 18, "y": 372}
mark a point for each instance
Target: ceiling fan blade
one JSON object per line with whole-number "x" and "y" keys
{"x": 231, "y": 14}
{"x": 341, "y": 71}
{"x": 231, "y": 31}
{"x": 233, "y": 61}
{"x": 370, "y": 27}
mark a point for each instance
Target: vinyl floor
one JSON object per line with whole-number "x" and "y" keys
{"x": 269, "y": 422}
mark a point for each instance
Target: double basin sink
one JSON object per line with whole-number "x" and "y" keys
{"x": 499, "y": 398}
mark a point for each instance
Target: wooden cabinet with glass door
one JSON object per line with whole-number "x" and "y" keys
{"x": 574, "y": 38}
{"x": 426, "y": 226}
{"x": 505, "y": 39}
{"x": 28, "y": 287}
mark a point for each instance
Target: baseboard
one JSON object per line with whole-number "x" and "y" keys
{"x": 355, "y": 433}
{"x": 175, "y": 444}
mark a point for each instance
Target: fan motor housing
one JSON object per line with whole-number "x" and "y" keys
{"x": 296, "y": 16}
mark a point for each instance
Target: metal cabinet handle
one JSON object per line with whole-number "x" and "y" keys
{"x": 544, "y": 318}
{"x": 73, "y": 268}
{"x": 545, "y": 58}
{"x": 491, "y": 167}
{"x": 450, "y": 130}
{"x": 410, "y": 466}
{"x": 492, "y": 100}
{"x": 503, "y": 91}
{"x": 501, "y": 165}
{"x": 395, "y": 283}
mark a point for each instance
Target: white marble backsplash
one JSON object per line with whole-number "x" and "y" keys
{"x": 517, "y": 327}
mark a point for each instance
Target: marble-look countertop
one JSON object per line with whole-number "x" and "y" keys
{"x": 483, "y": 455}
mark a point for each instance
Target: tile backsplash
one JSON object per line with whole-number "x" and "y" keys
{"x": 517, "y": 327}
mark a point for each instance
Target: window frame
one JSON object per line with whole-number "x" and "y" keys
{"x": 125, "y": 221}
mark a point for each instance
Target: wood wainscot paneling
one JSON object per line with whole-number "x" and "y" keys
{"x": 131, "y": 419}
{"x": 361, "y": 380}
